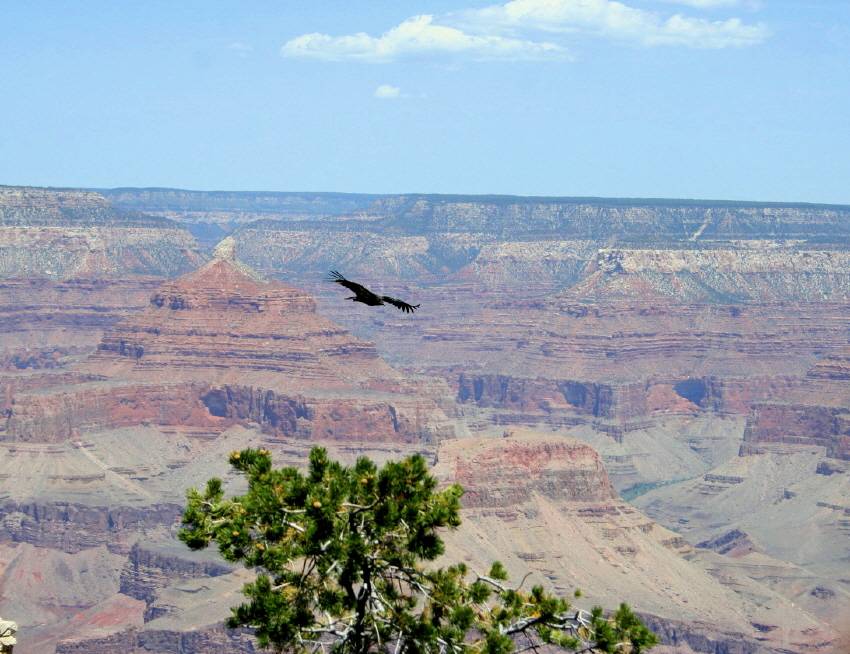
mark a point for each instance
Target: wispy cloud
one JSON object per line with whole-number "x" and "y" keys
{"x": 387, "y": 92}
{"x": 417, "y": 36}
{"x": 612, "y": 19}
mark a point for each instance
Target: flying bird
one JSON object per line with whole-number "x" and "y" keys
{"x": 364, "y": 295}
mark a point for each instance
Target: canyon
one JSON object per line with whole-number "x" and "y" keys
{"x": 643, "y": 398}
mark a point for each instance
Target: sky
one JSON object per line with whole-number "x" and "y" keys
{"x": 712, "y": 99}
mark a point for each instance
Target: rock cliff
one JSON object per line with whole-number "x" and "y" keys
{"x": 544, "y": 504}
{"x": 52, "y": 324}
{"x": 823, "y": 426}
{"x": 222, "y": 322}
{"x": 152, "y": 566}
{"x": 65, "y": 233}
{"x": 653, "y": 329}
{"x": 508, "y": 472}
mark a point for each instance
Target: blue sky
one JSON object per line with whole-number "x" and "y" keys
{"x": 731, "y": 99}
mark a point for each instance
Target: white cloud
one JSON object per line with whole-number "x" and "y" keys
{"x": 609, "y": 18}
{"x": 418, "y": 35}
{"x": 387, "y": 92}
{"x": 501, "y": 31}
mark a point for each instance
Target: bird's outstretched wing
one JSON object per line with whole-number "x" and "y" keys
{"x": 404, "y": 306}
{"x": 352, "y": 286}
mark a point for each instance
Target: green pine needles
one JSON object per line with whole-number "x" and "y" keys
{"x": 341, "y": 556}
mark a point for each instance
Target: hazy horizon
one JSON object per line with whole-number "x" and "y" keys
{"x": 507, "y": 196}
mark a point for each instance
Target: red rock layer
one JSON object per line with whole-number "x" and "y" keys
{"x": 506, "y": 472}
{"x": 62, "y": 415}
{"x": 543, "y": 504}
{"x": 204, "y": 410}
{"x": 47, "y": 324}
{"x": 540, "y": 397}
{"x": 354, "y": 419}
{"x": 798, "y": 424}
{"x": 220, "y": 323}
{"x": 630, "y": 341}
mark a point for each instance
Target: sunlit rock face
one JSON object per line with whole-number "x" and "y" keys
{"x": 652, "y": 341}
{"x": 72, "y": 265}
{"x": 223, "y": 321}
{"x": 544, "y": 504}
{"x": 507, "y": 472}
{"x": 63, "y": 234}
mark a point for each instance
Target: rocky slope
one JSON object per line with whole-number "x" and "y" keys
{"x": 70, "y": 265}
{"x": 791, "y": 502}
{"x": 61, "y": 234}
{"x": 152, "y": 566}
{"x": 673, "y": 336}
{"x": 541, "y": 504}
{"x": 824, "y": 426}
{"x": 544, "y": 504}
{"x": 222, "y": 318}
{"x": 99, "y": 455}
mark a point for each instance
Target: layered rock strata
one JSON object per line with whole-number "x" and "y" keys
{"x": 66, "y": 233}
{"x": 222, "y": 323}
{"x": 808, "y": 425}
{"x": 214, "y": 640}
{"x": 150, "y": 567}
{"x": 72, "y": 528}
{"x": 541, "y": 504}
{"x": 544, "y": 504}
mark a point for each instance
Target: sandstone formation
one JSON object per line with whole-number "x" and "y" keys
{"x": 502, "y": 474}
{"x": 150, "y": 567}
{"x": 235, "y": 348}
{"x": 699, "y": 347}
{"x": 732, "y": 543}
{"x": 62, "y": 234}
{"x": 539, "y": 503}
{"x": 215, "y": 640}
{"x": 98, "y": 450}
{"x": 544, "y": 504}
{"x": 834, "y": 367}
{"x": 828, "y": 427}
{"x": 234, "y": 206}
{"x": 71, "y": 265}
{"x": 27, "y": 206}
{"x": 73, "y": 528}
{"x": 221, "y": 323}
{"x": 52, "y": 324}
{"x": 793, "y": 513}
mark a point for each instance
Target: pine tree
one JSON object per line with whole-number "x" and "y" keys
{"x": 342, "y": 553}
